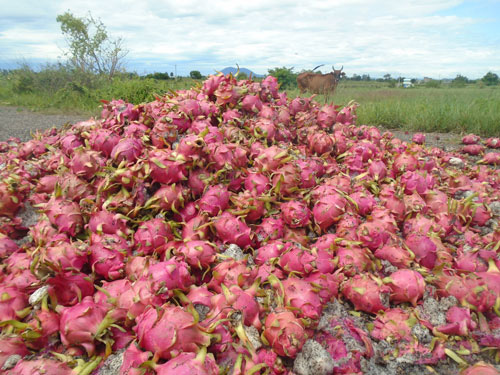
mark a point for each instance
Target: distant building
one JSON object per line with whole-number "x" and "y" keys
{"x": 427, "y": 79}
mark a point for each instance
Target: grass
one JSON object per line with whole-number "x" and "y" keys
{"x": 469, "y": 109}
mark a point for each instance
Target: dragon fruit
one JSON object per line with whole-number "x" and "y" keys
{"x": 169, "y": 331}
{"x": 128, "y": 150}
{"x": 65, "y": 215}
{"x": 328, "y": 210}
{"x": 301, "y": 296}
{"x": 11, "y": 345}
{"x": 295, "y": 214}
{"x": 470, "y": 139}
{"x": 298, "y": 260}
{"x": 103, "y": 140}
{"x": 284, "y": 333}
{"x": 406, "y": 286}
{"x": 232, "y": 272}
{"x": 230, "y": 229}
{"x": 167, "y": 167}
{"x": 85, "y": 163}
{"x": 133, "y": 358}
{"x": 366, "y": 293}
{"x": 418, "y": 138}
{"x": 198, "y": 254}
{"x": 423, "y": 248}
{"x": 82, "y": 323}
{"x": 353, "y": 260}
{"x": 7, "y": 246}
{"x": 214, "y": 200}
{"x": 480, "y": 368}
{"x": 152, "y": 235}
{"x": 44, "y": 366}
{"x": 190, "y": 363}
{"x": 393, "y": 324}
{"x": 169, "y": 275}
{"x": 459, "y": 320}
{"x": 107, "y": 222}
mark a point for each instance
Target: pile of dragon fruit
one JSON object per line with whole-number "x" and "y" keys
{"x": 228, "y": 229}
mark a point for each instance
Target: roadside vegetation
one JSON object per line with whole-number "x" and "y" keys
{"x": 435, "y": 107}
{"x": 95, "y": 71}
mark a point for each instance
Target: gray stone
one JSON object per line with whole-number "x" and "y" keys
{"x": 313, "y": 359}
{"x": 112, "y": 364}
{"x": 11, "y": 361}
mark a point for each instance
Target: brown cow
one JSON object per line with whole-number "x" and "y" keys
{"x": 319, "y": 83}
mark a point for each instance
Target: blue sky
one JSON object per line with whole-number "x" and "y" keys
{"x": 401, "y": 37}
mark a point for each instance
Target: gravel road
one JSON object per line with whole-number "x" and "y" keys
{"x": 18, "y": 122}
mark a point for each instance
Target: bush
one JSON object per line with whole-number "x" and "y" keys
{"x": 194, "y": 74}
{"x": 285, "y": 76}
{"x": 433, "y": 83}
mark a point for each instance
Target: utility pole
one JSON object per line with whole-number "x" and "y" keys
{"x": 175, "y": 67}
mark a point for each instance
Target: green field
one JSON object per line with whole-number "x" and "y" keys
{"x": 471, "y": 109}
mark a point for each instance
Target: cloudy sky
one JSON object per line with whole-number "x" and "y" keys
{"x": 411, "y": 38}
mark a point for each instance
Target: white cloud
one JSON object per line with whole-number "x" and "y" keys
{"x": 412, "y": 38}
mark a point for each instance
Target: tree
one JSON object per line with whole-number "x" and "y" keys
{"x": 459, "y": 81}
{"x": 387, "y": 77}
{"x": 194, "y": 74}
{"x": 285, "y": 76}
{"x": 490, "y": 79}
{"x": 91, "y": 50}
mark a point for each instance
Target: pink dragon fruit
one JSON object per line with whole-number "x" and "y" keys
{"x": 169, "y": 331}
{"x": 284, "y": 333}
{"x": 393, "y": 324}
{"x": 270, "y": 251}
{"x": 492, "y": 158}
{"x": 44, "y": 366}
{"x": 10, "y": 200}
{"x": 11, "y": 345}
{"x": 107, "y": 222}
{"x": 295, "y": 214}
{"x": 64, "y": 256}
{"x": 459, "y": 320}
{"x": 169, "y": 275}
{"x": 152, "y": 235}
{"x": 244, "y": 301}
{"x": 167, "y": 167}
{"x": 404, "y": 162}
{"x": 70, "y": 142}
{"x": 82, "y": 323}
{"x": 372, "y": 234}
{"x": 328, "y": 210}
{"x": 366, "y": 293}
{"x": 190, "y": 364}
{"x": 170, "y": 197}
{"x": 214, "y": 200}
{"x": 107, "y": 262}
{"x": 232, "y": 272}
{"x": 473, "y": 149}
{"x": 470, "y": 139}
{"x": 248, "y": 205}
{"x": 298, "y": 260}
{"x": 423, "y": 248}
{"x": 230, "y": 229}
{"x": 353, "y": 260}
{"x": 133, "y": 358}
{"x": 301, "y": 296}
{"x": 65, "y": 215}
{"x": 406, "y": 286}
{"x": 418, "y": 138}
{"x": 7, "y": 246}
{"x": 12, "y": 303}
{"x": 198, "y": 254}
{"x": 69, "y": 288}
{"x": 128, "y": 149}
{"x": 480, "y": 368}
{"x": 103, "y": 140}
{"x": 85, "y": 163}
